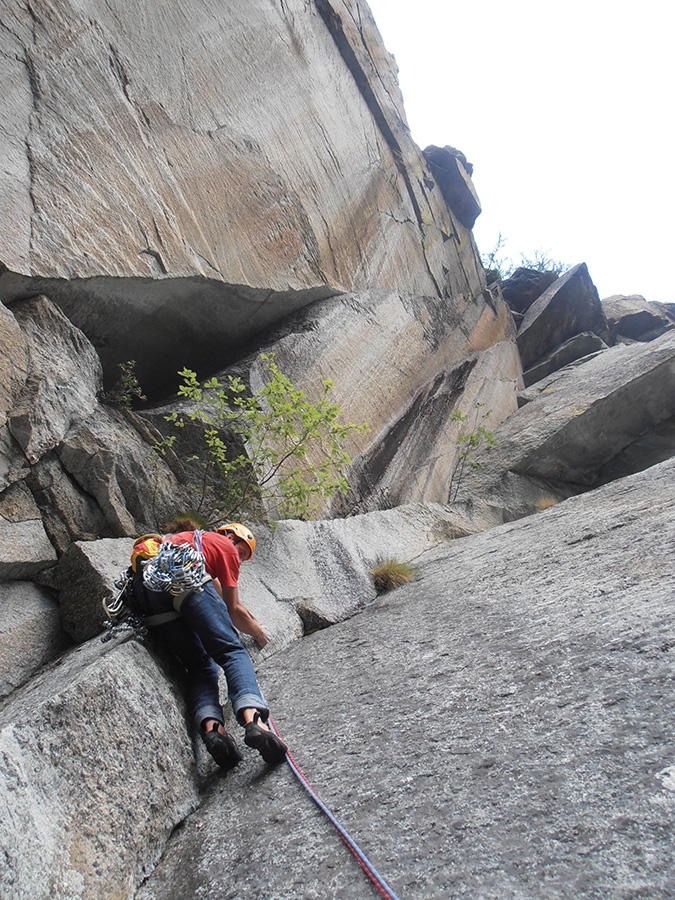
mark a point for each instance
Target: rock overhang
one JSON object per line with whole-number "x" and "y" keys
{"x": 164, "y": 324}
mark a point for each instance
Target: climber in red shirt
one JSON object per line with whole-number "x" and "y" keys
{"x": 205, "y": 633}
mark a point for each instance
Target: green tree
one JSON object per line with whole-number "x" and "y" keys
{"x": 270, "y": 454}
{"x": 470, "y": 441}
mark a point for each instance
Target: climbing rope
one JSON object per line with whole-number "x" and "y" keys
{"x": 177, "y": 568}
{"x": 352, "y": 846}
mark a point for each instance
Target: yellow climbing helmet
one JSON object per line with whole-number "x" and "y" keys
{"x": 241, "y": 531}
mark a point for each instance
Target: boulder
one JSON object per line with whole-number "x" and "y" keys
{"x": 634, "y": 319}
{"x": 84, "y": 578}
{"x": 501, "y": 728}
{"x": 64, "y": 378}
{"x": 404, "y": 366}
{"x": 521, "y": 289}
{"x": 568, "y": 307}
{"x": 97, "y": 771}
{"x": 573, "y": 424}
{"x": 13, "y": 361}
{"x": 453, "y": 174}
{"x": 577, "y": 347}
{"x": 30, "y": 633}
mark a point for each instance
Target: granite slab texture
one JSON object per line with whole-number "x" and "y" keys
{"x": 503, "y": 727}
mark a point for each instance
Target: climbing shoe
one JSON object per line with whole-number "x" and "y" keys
{"x": 269, "y": 746}
{"x": 221, "y": 746}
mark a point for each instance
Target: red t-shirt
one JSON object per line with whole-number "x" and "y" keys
{"x": 220, "y": 555}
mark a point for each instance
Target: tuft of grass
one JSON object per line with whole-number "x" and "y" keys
{"x": 392, "y": 574}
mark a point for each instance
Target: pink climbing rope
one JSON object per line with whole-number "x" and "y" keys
{"x": 351, "y": 844}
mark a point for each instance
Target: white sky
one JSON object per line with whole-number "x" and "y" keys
{"x": 566, "y": 112}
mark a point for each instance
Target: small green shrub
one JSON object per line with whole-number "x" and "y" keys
{"x": 127, "y": 388}
{"x": 392, "y": 574}
{"x": 470, "y": 441}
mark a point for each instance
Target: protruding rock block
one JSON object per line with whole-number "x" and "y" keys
{"x": 453, "y": 174}
{"x": 85, "y": 577}
{"x": 634, "y": 319}
{"x": 64, "y": 378}
{"x": 522, "y": 288}
{"x": 25, "y": 549}
{"x": 570, "y": 306}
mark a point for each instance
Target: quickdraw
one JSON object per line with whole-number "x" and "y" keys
{"x": 351, "y": 844}
{"x": 177, "y": 569}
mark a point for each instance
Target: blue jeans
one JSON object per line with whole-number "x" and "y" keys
{"x": 202, "y": 636}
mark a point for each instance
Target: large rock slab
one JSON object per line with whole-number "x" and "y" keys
{"x": 63, "y": 381}
{"x": 404, "y": 366}
{"x": 570, "y": 306}
{"x": 574, "y": 422}
{"x": 504, "y": 727}
{"x": 30, "y": 632}
{"x": 97, "y": 770}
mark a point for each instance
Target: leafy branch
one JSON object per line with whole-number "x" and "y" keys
{"x": 470, "y": 441}
{"x": 272, "y": 452}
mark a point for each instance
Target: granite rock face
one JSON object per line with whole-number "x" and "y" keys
{"x": 404, "y": 366}
{"x": 269, "y": 165}
{"x": 503, "y": 727}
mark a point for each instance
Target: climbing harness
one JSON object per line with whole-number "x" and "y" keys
{"x": 352, "y": 846}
